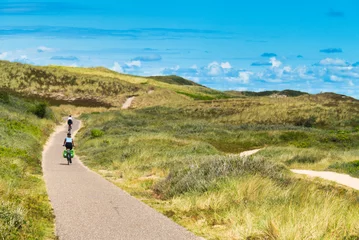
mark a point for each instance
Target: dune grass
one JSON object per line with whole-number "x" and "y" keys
{"x": 94, "y": 87}
{"x": 173, "y": 83}
{"x": 25, "y": 211}
{"x": 256, "y": 207}
{"x": 59, "y": 85}
{"x": 323, "y": 110}
{"x": 183, "y": 161}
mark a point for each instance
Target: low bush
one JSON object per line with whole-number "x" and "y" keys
{"x": 304, "y": 158}
{"x": 11, "y": 221}
{"x": 96, "y": 133}
{"x": 40, "y": 109}
{"x": 293, "y": 136}
{"x": 306, "y": 122}
{"x": 199, "y": 177}
{"x": 351, "y": 168}
{"x": 4, "y": 97}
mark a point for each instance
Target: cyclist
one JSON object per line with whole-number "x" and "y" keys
{"x": 69, "y": 142}
{"x": 69, "y": 122}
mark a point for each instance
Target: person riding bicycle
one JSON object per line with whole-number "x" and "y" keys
{"x": 69, "y": 142}
{"x": 69, "y": 122}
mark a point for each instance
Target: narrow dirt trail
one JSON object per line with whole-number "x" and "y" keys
{"x": 339, "y": 178}
{"x": 88, "y": 207}
{"x": 128, "y": 103}
{"x": 249, "y": 153}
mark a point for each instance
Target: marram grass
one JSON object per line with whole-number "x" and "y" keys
{"x": 25, "y": 211}
{"x": 184, "y": 162}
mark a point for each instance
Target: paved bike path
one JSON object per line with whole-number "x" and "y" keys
{"x": 88, "y": 207}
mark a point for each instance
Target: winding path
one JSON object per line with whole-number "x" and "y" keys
{"x": 128, "y": 103}
{"x": 88, "y": 207}
{"x": 339, "y": 178}
{"x": 342, "y": 179}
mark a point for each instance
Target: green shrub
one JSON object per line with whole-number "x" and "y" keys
{"x": 4, "y": 97}
{"x": 199, "y": 177}
{"x": 11, "y": 220}
{"x": 304, "y": 159}
{"x": 351, "y": 168}
{"x": 196, "y": 96}
{"x": 306, "y": 122}
{"x": 302, "y": 144}
{"x": 40, "y": 109}
{"x": 293, "y": 136}
{"x": 95, "y": 133}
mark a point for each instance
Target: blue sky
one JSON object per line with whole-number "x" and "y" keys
{"x": 241, "y": 45}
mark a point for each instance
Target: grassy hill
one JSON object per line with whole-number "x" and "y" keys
{"x": 288, "y": 93}
{"x": 175, "y": 80}
{"x": 91, "y": 86}
{"x": 182, "y": 160}
{"x": 25, "y": 212}
{"x": 173, "y": 83}
{"x": 58, "y": 84}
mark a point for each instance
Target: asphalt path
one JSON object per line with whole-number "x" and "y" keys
{"x": 88, "y": 207}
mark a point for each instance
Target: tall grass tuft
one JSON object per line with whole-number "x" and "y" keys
{"x": 199, "y": 176}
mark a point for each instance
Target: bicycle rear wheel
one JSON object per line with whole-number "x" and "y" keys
{"x": 69, "y": 158}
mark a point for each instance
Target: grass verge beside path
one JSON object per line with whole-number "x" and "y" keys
{"x": 181, "y": 164}
{"x": 25, "y": 211}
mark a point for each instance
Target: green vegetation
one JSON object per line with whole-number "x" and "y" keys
{"x": 25, "y": 212}
{"x": 92, "y": 87}
{"x": 288, "y": 93}
{"x": 96, "y": 133}
{"x": 174, "y": 80}
{"x": 182, "y": 160}
{"x": 57, "y": 85}
{"x": 172, "y": 84}
{"x": 180, "y": 155}
{"x": 352, "y": 168}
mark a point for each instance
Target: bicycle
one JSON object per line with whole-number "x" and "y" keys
{"x": 68, "y": 155}
{"x": 69, "y": 128}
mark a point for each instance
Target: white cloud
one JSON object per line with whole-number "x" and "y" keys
{"x": 226, "y": 65}
{"x": 219, "y": 69}
{"x": 23, "y": 59}
{"x": 117, "y": 67}
{"x": 241, "y": 89}
{"x": 194, "y": 66}
{"x": 214, "y": 69}
{"x": 194, "y": 79}
{"x": 332, "y": 62}
{"x": 335, "y": 78}
{"x": 42, "y": 49}
{"x": 275, "y": 63}
{"x": 150, "y": 58}
{"x": 3, "y": 55}
{"x": 135, "y": 63}
{"x": 287, "y": 69}
{"x": 132, "y": 67}
{"x": 244, "y": 77}
{"x": 334, "y": 75}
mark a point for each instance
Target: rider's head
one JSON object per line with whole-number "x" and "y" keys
{"x": 69, "y": 115}
{"x": 69, "y": 134}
